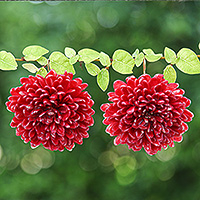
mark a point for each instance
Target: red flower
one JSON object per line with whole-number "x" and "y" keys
{"x": 147, "y": 112}
{"x": 53, "y": 111}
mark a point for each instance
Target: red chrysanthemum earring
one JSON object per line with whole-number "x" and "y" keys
{"x": 53, "y": 111}
{"x": 147, "y": 112}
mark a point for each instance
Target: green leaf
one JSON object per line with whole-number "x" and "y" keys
{"x": 60, "y": 63}
{"x": 42, "y": 61}
{"x": 69, "y": 52}
{"x": 169, "y": 74}
{"x": 123, "y": 62}
{"x": 92, "y": 69}
{"x": 136, "y": 52}
{"x": 104, "y": 59}
{"x": 34, "y": 52}
{"x": 151, "y": 56}
{"x": 7, "y": 61}
{"x": 103, "y": 79}
{"x": 42, "y": 71}
{"x": 188, "y": 62}
{"x": 30, "y": 67}
{"x": 170, "y": 55}
{"x": 74, "y": 59}
{"x": 139, "y": 59}
{"x": 88, "y": 55}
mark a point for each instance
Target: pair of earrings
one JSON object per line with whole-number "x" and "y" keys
{"x": 56, "y": 111}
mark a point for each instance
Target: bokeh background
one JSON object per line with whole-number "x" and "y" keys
{"x": 98, "y": 169}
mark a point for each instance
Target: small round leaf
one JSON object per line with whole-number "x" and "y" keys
{"x": 103, "y": 79}
{"x": 74, "y": 59}
{"x": 136, "y": 52}
{"x": 30, "y": 67}
{"x": 104, "y": 59}
{"x": 139, "y": 59}
{"x": 123, "y": 62}
{"x": 69, "y": 52}
{"x": 92, "y": 69}
{"x": 88, "y": 55}
{"x": 170, "y": 55}
{"x": 151, "y": 56}
{"x": 7, "y": 61}
{"x": 188, "y": 62}
{"x": 34, "y": 52}
{"x": 60, "y": 63}
{"x": 42, "y": 61}
{"x": 169, "y": 74}
{"x": 42, "y": 71}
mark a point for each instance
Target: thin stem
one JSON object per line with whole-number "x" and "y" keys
{"x": 81, "y": 64}
{"x": 48, "y": 65}
{"x": 164, "y": 57}
{"x": 20, "y": 59}
{"x": 107, "y": 67}
{"x": 144, "y": 66}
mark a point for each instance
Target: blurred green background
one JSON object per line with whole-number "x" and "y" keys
{"x": 98, "y": 169}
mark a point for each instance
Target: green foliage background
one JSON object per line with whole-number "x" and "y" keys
{"x": 97, "y": 169}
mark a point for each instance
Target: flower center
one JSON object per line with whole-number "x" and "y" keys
{"x": 49, "y": 115}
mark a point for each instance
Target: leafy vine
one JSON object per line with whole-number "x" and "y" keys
{"x": 122, "y": 62}
{"x": 146, "y": 112}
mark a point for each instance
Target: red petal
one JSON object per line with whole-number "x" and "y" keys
{"x": 117, "y": 140}
{"x": 104, "y": 106}
{"x": 178, "y": 139}
{"x": 118, "y": 84}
